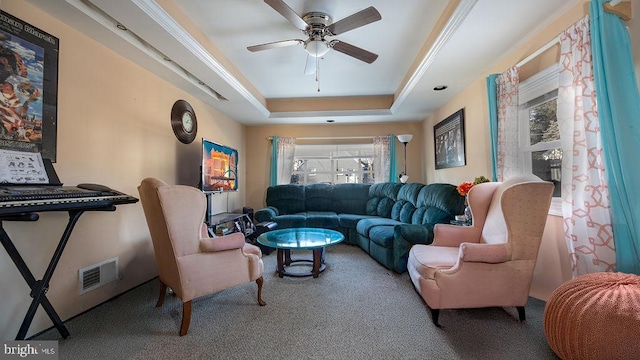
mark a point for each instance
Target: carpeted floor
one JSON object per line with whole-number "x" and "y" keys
{"x": 356, "y": 309}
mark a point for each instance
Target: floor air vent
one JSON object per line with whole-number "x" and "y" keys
{"x": 94, "y": 276}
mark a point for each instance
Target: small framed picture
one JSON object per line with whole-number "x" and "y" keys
{"x": 448, "y": 136}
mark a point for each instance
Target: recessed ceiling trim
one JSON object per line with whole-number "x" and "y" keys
{"x": 164, "y": 20}
{"x": 457, "y": 18}
{"x": 328, "y": 113}
{"x": 115, "y": 27}
{"x": 341, "y": 103}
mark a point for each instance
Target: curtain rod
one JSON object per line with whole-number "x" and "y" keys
{"x": 328, "y": 137}
{"x": 535, "y": 54}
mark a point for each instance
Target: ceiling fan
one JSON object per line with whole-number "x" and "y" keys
{"x": 317, "y": 26}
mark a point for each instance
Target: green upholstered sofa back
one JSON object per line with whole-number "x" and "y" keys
{"x": 288, "y": 199}
{"x": 427, "y": 204}
{"x": 412, "y": 203}
{"x": 319, "y": 197}
{"x": 339, "y": 198}
{"x": 350, "y": 198}
{"x": 440, "y": 202}
{"x": 382, "y": 198}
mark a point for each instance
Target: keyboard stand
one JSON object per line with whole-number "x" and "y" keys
{"x": 39, "y": 288}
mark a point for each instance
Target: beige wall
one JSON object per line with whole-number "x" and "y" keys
{"x": 259, "y": 150}
{"x": 634, "y": 30}
{"x": 114, "y": 129}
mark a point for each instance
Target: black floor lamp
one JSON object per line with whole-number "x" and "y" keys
{"x": 404, "y": 138}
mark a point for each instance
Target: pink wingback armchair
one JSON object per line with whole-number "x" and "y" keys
{"x": 491, "y": 262}
{"x": 190, "y": 262}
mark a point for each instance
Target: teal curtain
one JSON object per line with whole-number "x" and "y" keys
{"x": 618, "y": 110}
{"x": 273, "y": 179}
{"x": 492, "y": 94}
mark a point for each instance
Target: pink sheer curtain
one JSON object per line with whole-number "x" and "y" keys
{"x": 585, "y": 196}
{"x": 285, "y": 162}
{"x": 507, "y": 94}
{"x": 382, "y": 158}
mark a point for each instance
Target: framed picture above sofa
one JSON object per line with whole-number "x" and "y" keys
{"x": 448, "y": 139}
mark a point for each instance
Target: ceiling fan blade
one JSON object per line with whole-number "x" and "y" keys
{"x": 310, "y": 66}
{"x": 361, "y": 18}
{"x": 288, "y": 13}
{"x": 275, "y": 44}
{"x": 354, "y": 51}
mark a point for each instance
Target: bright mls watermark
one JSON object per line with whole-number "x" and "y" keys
{"x": 29, "y": 350}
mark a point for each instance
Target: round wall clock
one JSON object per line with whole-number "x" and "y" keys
{"x": 184, "y": 122}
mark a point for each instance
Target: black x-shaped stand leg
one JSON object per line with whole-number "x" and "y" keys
{"x": 39, "y": 288}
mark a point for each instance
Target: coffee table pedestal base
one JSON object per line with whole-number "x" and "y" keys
{"x": 284, "y": 259}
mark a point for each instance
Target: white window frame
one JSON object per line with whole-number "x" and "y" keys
{"x": 534, "y": 87}
{"x": 334, "y": 172}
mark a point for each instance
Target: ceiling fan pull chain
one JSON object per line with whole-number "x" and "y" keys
{"x": 318, "y": 73}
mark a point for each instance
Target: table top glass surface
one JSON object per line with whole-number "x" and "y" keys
{"x": 300, "y": 238}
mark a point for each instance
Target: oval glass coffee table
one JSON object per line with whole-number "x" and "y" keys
{"x": 314, "y": 239}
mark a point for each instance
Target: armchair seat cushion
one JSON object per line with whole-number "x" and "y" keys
{"x": 425, "y": 260}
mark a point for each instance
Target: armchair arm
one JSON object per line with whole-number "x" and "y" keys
{"x": 454, "y": 235}
{"x": 228, "y": 242}
{"x": 487, "y": 253}
{"x": 479, "y": 253}
{"x": 266, "y": 214}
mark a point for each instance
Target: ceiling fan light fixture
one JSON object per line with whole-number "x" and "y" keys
{"x": 316, "y": 48}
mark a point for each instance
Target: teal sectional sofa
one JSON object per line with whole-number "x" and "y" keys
{"x": 384, "y": 219}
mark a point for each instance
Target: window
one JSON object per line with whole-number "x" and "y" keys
{"x": 333, "y": 164}
{"x": 540, "y": 150}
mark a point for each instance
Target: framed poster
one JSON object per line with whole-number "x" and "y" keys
{"x": 448, "y": 139}
{"x": 219, "y": 167}
{"x": 29, "y": 87}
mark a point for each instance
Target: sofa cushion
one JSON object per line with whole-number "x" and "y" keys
{"x": 322, "y": 219}
{"x": 365, "y": 225}
{"x": 288, "y": 199}
{"x": 350, "y": 198}
{"x": 410, "y": 192}
{"x": 291, "y": 220}
{"x": 382, "y": 235}
{"x": 319, "y": 197}
{"x": 382, "y": 198}
{"x": 350, "y": 221}
{"x": 432, "y": 215}
{"x": 403, "y": 211}
{"x": 442, "y": 196}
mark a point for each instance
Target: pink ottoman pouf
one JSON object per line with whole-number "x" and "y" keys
{"x": 595, "y": 316}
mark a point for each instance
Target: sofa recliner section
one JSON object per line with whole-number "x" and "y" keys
{"x": 384, "y": 219}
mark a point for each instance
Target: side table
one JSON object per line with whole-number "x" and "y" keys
{"x": 241, "y": 222}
